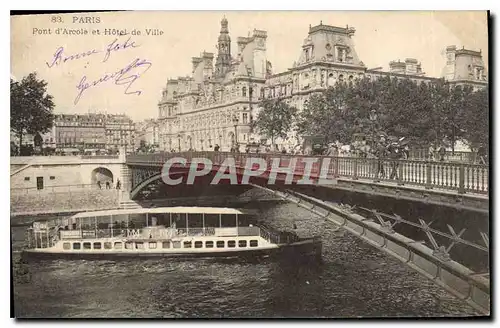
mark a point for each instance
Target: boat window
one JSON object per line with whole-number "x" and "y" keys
{"x": 254, "y": 243}
{"x": 118, "y": 245}
{"x": 152, "y": 245}
{"x": 77, "y": 245}
{"x": 108, "y": 245}
{"x": 187, "y": 244}
{"x": 220, "y": 243}
{"x": 86, "y": 246}
{"x": 129, "y": 245}
{"x": 139, "y": 245}
{"x": 97, "y": 245}
{"x": 198, "y": 244}
{"x": 177, "y": 244}
{"x": 242, "y": 243}
{"x": 166, "y": 244}
{"x": 209, "y": 244}
{"x": 66, "y": 246}
{"x": 231, "y": 243}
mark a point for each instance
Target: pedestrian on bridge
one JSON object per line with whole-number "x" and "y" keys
{"x": 395, "y": 155}
{"x": 442, "y": 153}
{"x": 481, "y": 154}
{"x": 380, "y": 153}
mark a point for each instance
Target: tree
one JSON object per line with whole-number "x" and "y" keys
{"x": 474, "y": 119}
{"x": 30, "y": 107}
{"x": 327, "y": 114}
{"x": 275, "y": 119}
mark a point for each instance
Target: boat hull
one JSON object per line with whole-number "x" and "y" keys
{"x": 308, "y": 249}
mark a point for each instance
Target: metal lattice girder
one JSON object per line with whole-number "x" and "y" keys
{"x": 486, "y": 239}
{"x": 384, "y": 225}
{"x": 456, "y": 237}
{"x": 439, "y": 251}
{"x": 425, "y": 227}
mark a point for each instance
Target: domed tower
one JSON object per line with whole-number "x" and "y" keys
{"x": 223, "y": 61}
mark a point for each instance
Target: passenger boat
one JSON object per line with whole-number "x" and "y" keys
{"x": 164, "y": 232}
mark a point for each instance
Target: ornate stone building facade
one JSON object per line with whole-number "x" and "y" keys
{"x": 216, "y": 103}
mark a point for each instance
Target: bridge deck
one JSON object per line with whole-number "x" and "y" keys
{"x": 440, "y": 177}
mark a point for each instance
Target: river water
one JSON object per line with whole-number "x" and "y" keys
{"x": 354, "y": 280}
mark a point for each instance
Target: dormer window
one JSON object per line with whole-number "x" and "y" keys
{"x": 307, "y": 55}
{"x": 341, "y": 54}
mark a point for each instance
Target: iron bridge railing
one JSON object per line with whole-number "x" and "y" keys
{"x": 460, "y": 177}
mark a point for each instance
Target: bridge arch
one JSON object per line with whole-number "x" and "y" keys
{"x": 101, "y": 174}
{"x": 134, "y": 192}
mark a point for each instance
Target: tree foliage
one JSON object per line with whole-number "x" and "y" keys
{"x": 474, "y": 119}
{"x": 30, "y": 107}
{"x": 275, "y": 119}
{"x": 425, "y": 113}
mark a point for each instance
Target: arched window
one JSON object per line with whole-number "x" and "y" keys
{"x": 244, "y": 91}
{"x": 262, "y": 93}
{"x": 341, "y": 78}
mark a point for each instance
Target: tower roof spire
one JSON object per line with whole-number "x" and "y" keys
{"x": 223, "y": 25}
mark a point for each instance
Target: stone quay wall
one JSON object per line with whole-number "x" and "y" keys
{"x": 63, "y": 201}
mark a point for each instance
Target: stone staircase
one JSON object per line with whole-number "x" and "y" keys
{"x": 129, "y": 205}
{"x": 18, "y": 169}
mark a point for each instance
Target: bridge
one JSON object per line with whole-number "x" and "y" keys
{"x": 458, "y": 185}
{"x": 439, "y": 257}
{"x": 441, "y": 251}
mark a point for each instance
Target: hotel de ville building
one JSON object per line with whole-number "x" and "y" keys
{"x": 217, "y": 102}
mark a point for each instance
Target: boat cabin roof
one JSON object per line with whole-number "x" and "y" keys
{"x": 161, "y": 210}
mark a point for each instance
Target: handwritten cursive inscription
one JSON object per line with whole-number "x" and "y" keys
{"x": 60, "y": 57}
{"x": 124, "y": 76}
{"x": 117, "y": 46}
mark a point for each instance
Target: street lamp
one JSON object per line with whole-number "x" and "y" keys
{"x": 201, "y": 142}
{"x": 373, "y": 119}
{"x": 179, "y": 139}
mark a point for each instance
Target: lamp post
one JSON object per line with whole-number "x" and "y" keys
{"x": 373, "y": 120}
{"x": 201, "y": 142}
{"x": 179, "y": 140}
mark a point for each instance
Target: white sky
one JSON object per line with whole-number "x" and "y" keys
{"x": 380, "y": 37}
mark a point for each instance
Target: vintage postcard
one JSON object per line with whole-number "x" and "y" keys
{"x": 260, "y": 164}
